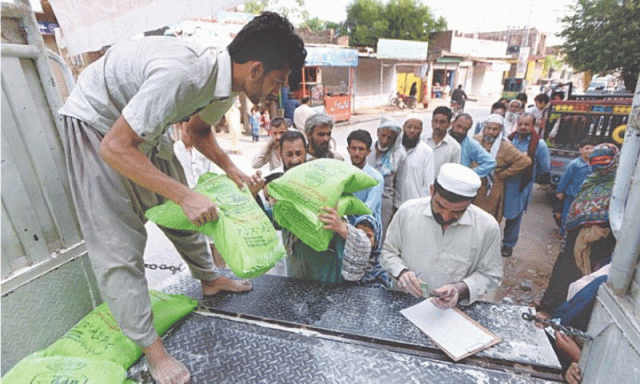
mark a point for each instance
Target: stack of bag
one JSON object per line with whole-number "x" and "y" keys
{"x": 95, "y": 351}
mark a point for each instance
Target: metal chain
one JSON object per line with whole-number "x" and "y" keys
{"x": 555, "y": 324}
{"x": 171, "y": 268}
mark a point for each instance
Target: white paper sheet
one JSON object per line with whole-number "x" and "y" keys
{"x": 447, "y": 328}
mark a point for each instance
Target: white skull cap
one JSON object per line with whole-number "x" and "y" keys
{"x": 458, "y": 179}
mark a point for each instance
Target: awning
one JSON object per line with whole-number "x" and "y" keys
{"x": 331, "y": 57}
{"x": 449, "y": 60}
{"x": 90, "y": 25}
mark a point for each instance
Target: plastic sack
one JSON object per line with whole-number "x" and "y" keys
{"x": 243, "y": 233}
{"x": 97, "y": 335}
{"x": 35, "y": 369}
{"x": 303, "y": 190}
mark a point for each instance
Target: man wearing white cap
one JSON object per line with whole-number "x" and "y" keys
{"x": 510, "y": 162}
{"x": 318, "y": 130}
{"x": 416, "y": 172}
{"x": 386, "y": 158}
{"x": 450, "y": 244}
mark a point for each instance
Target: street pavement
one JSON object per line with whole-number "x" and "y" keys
{"x": 533, "y": 256}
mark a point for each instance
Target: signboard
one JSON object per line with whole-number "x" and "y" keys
{"x": 338, "y": 106}
{"x": 477, "y": 47}
{"x": 331, "y": 57}
{"x": 402, "y": 49}
{"x": 523, "y": 57}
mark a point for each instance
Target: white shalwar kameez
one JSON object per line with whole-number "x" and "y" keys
{"x": 415, "y": 174}
{"x": 468, "y": 251}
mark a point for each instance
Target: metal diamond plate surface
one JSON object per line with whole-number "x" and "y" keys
{"x": 366, "y": 313}
{"x": 222, "y": 351}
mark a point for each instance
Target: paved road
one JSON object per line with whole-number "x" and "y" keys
{"x": 533, "y": 256}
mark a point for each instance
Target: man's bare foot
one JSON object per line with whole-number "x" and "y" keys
{"x": 163, "y": 367}
{"x": 223, "y": 283}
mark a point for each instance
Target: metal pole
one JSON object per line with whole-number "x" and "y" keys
{"x": 626, "y": 196}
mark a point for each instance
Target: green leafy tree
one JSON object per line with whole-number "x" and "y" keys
{"x": 369, "y": 20}
{"x": 315, "y": 24}
{"x": 603, "y": 36}
{"x": 258, "y": 6}
{"x": 365, "y": 22}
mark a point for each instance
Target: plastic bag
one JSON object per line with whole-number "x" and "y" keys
{"x": 64, "y": 369}
{"x": 97, "y": 335}
{"x": 243, "y": 233}
{"x": 303, "y": 190}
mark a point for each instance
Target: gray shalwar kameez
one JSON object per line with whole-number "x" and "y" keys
{"x": 152, "y": 83}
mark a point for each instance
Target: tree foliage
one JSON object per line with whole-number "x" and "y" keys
{"x": 258, "y": 6}
{"x": 603, "y": 36}
{"x": 369, "y": 20}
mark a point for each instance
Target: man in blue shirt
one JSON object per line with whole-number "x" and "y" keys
{"x": 471, "y": 151}
{"x": 518, "y": 189}
{"x": 572, "y": 179}
{"x": 290, "y": 105}
{"x": 359, "y": 147}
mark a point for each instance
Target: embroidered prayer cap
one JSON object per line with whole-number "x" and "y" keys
{"x": 317, "y": 119}
{"x": 495, "y": 118}
{"x": 458, "y": 179}
{"x": 390, "y": 123}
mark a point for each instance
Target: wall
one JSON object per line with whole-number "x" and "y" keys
{"x": 478, "y": 48}
{"x": 487, "y": 78}
{"x": 440, "y": 41}
{"x": 368, "y": 91}
{"x": 47, "y": 283}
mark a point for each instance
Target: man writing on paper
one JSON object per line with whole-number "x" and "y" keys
{"x": 451, "y": 244}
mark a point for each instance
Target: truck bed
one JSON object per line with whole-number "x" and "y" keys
{"x": 295, "y": 331}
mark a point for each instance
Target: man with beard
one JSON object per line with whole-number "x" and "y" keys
{"x": 359, "y": 147}
{"x": 511, "y": 117}
{"x": 386, "y": 158}
{"x": 120, "y": 162}
{"x": 471, "y": 153}
{"x": 518, "y": 189}
{"x": 347, "y": 257}
{"x": 416, "y": 172}
{"x": 445, "y": 148}
{"x": 451, "y": 244}
{"x": 318, "y": 130}
{"x": 509, "y": 163}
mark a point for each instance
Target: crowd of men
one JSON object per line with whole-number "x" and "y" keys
{"x": 435, "y": 211}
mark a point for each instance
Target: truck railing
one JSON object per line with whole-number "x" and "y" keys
{"x": 571, "y": 121}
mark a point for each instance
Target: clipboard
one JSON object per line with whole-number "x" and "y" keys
{"x": 454, "y": 332}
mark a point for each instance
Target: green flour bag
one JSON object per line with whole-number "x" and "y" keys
{"x": 35, "y": 369}
{"x": 243, "y": 233}
{"x": 303, "y": 190}
{"x": 97, "y": 335}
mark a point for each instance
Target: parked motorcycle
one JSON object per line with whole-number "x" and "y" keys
{"x": 401, "y": 101}
{"x": 456, "y": 108}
